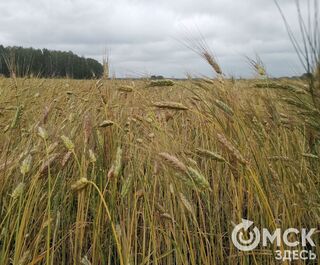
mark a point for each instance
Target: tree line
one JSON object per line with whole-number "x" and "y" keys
{"x": 46, "y": 63}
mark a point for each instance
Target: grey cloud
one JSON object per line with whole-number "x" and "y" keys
{"x": 142, "y": 35}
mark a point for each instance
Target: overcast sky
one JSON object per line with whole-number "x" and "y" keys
{"x": 142, "y": 35}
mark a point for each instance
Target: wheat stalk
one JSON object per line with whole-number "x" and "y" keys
{"x": 174, "y": 162}
{"x": 232, "y": 150}
{"x": 170, "y": 105}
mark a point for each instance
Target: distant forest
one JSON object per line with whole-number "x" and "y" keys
{"x": 46, "y": 63}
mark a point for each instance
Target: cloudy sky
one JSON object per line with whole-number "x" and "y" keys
{"x": 144, "y": 36}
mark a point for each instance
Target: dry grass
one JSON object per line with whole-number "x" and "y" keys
{"x": 116, "y": 172}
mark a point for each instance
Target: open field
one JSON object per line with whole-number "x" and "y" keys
{"x": 116, "y": 172}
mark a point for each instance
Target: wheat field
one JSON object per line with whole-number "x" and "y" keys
{"x": 153, "y": 172}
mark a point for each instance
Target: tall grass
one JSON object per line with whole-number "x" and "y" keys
{"x": 306, "y": 44}
{"x": 94, "y": 174}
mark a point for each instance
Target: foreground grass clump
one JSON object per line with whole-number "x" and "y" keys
{"x": 94, "y": 174}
